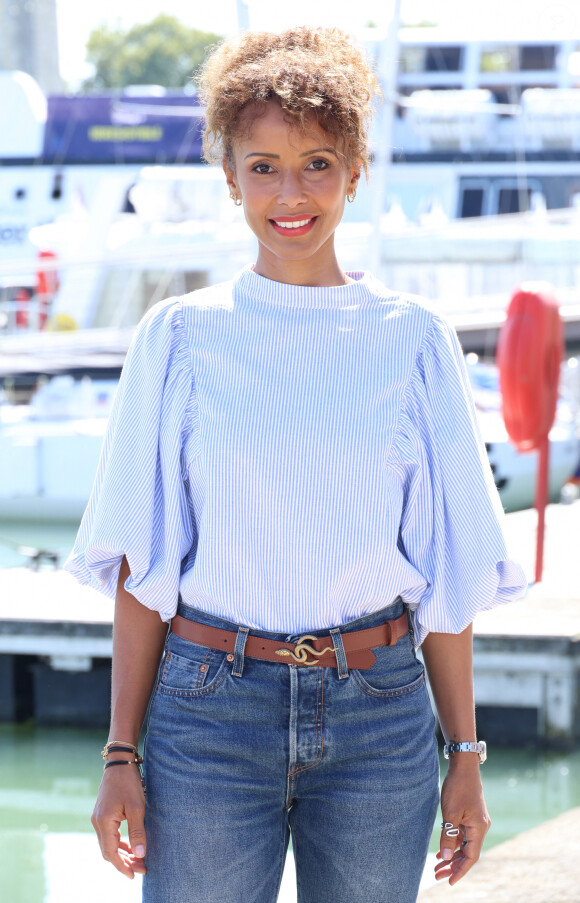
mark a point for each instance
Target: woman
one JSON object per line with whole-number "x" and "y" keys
{"x": 292, "y": 467}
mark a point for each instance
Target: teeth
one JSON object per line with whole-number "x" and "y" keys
{"x": 294, "y": 225}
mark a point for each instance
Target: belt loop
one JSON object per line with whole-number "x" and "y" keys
{"x": 339, "y": 652}
{"x": 241, "y": 638}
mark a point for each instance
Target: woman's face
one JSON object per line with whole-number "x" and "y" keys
{"x": 293, "y": 187}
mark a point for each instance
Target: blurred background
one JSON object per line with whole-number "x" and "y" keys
{"x": 106, "y": 207}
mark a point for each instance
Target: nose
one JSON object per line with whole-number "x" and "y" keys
{"x": 291, "y": 191}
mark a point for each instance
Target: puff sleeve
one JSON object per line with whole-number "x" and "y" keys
{"x": 451, "y": 527}
{"x": 139, "y": 506}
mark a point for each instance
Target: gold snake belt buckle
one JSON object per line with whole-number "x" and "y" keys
{"x": 301, "y": 651}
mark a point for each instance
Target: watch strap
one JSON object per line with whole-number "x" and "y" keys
{"x": 473, "y": 746}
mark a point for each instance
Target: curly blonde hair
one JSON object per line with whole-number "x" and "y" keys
{"x": 309, "y": 71}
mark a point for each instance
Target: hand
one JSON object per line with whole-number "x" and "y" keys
{"x": 121, "y": 797}
{"x": 463, "y": 805}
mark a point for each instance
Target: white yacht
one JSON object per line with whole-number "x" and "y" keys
{"x": 480, "y": 127}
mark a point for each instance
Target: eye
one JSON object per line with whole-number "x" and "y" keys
{"x": 319, "y": 165}
{"x": 263, "y": 169}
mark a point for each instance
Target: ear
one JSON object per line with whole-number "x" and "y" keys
{"x": 230, "y": 175}
{"x": 354, "y": 177}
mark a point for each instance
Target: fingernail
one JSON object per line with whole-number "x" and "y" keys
{"x": 140, "y": 850}
{"x": 447, "y": 854}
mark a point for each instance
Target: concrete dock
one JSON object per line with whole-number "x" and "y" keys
{"x": 538, "y": 866}
{"x": 527, "y": 653}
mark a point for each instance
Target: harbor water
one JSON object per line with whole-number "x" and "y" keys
{"x": 49, "y": 779}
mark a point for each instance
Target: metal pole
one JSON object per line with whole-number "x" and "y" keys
{"x": 387, "y": 72}
{"x": 243, "y": 14}
{"x": 541, "y": 501}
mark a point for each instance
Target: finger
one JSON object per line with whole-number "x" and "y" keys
{"x": 445, "y": 867}
{"x": 469, "y": 854}
{"x": 451, "y": 837}
{"x": 113, "y": 852}
{"x": 136, "y": 827}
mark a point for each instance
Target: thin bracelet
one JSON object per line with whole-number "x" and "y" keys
{"x": 128, "y": 749}
{"x": 107, "y": 746}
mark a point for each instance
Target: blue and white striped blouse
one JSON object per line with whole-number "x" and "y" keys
{"x": 292, "y": 458}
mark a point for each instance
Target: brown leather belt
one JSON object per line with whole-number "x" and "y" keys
{"x": 309, "y": 650}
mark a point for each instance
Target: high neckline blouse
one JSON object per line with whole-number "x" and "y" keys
{"x": 292, "y": 458}
{"x": 262, "y": 290}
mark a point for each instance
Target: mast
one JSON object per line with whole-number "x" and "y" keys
{"x": 387, "y": 73}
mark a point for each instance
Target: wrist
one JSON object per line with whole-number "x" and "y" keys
{"x": 463, "y": 763}
{"x": 128, "y": 734}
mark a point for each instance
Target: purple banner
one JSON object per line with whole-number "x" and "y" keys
{"x": 105, "y": 129}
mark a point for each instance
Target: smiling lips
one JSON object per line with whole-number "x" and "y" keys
{"x": 293, "y": 226}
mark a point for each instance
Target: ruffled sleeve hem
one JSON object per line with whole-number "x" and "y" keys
{"x": 138, "y": 507}
{"x": 506, "y": 584}
{"x": 76, "y": 565}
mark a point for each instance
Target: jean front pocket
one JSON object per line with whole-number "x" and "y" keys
{"x": 396, "y": 672}
{"x": 199, "y": 672}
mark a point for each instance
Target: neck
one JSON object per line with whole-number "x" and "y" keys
{"x": 310, "y": 271}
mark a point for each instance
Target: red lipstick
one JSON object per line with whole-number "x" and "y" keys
{"x": 293, "y": 231}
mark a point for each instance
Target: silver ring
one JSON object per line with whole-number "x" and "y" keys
{"x": 450, "y": 831}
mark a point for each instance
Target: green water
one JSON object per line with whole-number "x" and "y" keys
{"x": 49, "y": 779}
{"x": 51, "y": 537}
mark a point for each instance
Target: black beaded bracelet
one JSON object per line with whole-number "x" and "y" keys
{"x": 136, "y": 761}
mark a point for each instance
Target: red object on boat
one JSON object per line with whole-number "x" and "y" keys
{"x": 46, "y": 286}
{"x": 529, "y": 354}
{"x": 22, "y": 300}
{"x": 46, "y": 279}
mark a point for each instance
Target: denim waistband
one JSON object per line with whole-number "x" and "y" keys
{"x": 393, "y": 610}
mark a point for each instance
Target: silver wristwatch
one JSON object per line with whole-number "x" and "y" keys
{"x": 477, "y": 746}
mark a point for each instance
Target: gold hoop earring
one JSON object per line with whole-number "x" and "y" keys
{"x": 237, "y": 200}
{"x": 351, "y": 196}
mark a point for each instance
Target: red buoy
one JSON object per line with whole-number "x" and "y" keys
{"x": 529, "y": 354}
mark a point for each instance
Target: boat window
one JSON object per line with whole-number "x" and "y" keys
{"x": 514, "y": 200}
{"x": 537, "y": 56}
{"x": 430, "y": 59}
{"x": 502, "y": 58}
{"x": 443, "y": 59}
{"x": 471, "y": 202}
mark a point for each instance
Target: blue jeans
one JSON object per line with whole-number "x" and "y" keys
{"x": 239, "y": 754}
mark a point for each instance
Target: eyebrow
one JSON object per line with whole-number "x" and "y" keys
{"x": 317, "y": 150}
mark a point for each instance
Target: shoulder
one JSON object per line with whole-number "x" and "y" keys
{"x": 159, "y": 341}
{"x": 170, "y": 315}
{"x": 417, "y": 318}
{"x": 219, "y": 296}
{"x": 415, "y": 308}
{"x": 163, "y": 317}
